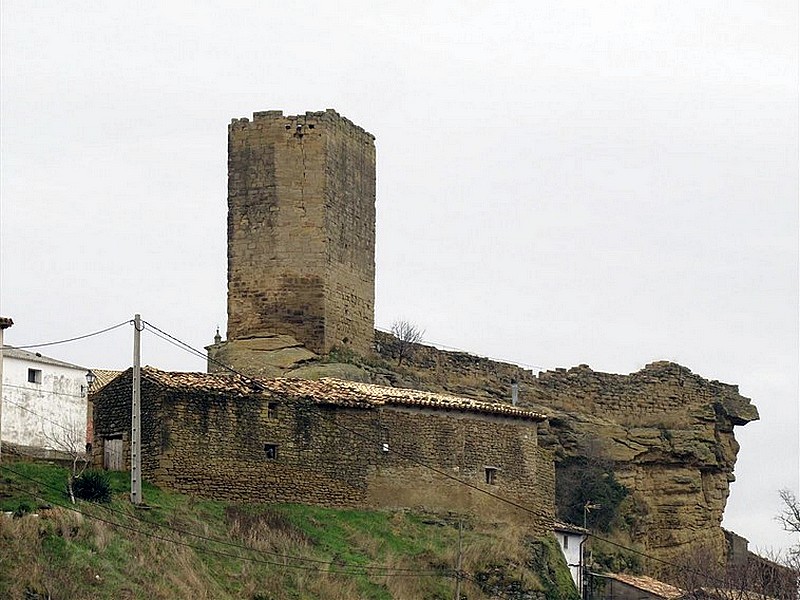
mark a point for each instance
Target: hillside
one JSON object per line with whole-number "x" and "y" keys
{"x": 180, "y": 547}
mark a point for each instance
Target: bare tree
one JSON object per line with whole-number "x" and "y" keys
{"x": 790, "y": 515}
{"x": 70, "y": 440}
{"x": 407, "y": 335}
{"x": 750, "y": 577}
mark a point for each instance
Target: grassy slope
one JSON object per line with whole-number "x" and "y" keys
{"x": 225, "y": 550}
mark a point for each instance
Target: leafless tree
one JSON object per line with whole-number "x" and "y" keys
{"x": 70, "y": 439}
{"x": 407, "y": 335}
{"x": 753, "y": 577}
{"x": 790, "y": 515}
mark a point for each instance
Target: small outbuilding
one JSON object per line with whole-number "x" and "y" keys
{"x": 621, "y": 586}
{"x": 329, "y": 442}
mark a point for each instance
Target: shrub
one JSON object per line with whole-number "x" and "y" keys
{"x": 23, "y": 508}
{"x": 93, "y": 485}
{"x": 581, "y": 481}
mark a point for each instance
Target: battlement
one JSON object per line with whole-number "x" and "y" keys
{"x": 310, "y": 119}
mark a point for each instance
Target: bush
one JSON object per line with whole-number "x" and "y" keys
{"x": 23, "y": 508}
{"x": 92, "y": 485}
{"x": 581, "y": 481}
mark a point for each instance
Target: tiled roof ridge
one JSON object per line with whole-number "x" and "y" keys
{"x": 379, "y": 395}
{"x": 209, "y": 382}
{"x": 330, "y": 390}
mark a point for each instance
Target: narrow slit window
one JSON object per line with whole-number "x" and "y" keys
{"x": 271, "y": 450}
{"x": 272, "y": 410}
{"x": 566, "y": 542}
{"x": 490, "y": 474}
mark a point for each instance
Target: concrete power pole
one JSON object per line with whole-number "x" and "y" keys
{"x": 5, "y": 323}
{"x": 136, "y": 437}
{"x": 458, "y": 560}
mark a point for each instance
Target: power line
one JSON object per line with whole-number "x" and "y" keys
{"x": 48, "y": 392}
{"x": 33, "y": 412}
{"x": 220, "y": 541}
{"x": 441, "y": 346}
{"x": 364, "y": 436}
{"x": 74, "y": 339}
{"x": 445, "y": 474}
{"x": 347, "y": 570}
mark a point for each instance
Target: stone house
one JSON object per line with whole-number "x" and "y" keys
{"x": 329, "y": 442}
{"x": 44, "y": 403}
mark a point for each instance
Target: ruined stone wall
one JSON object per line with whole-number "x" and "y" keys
{"x": 662, "y": 392}
{"x": 301, "y": 229}
{"x": 216, "y": 446}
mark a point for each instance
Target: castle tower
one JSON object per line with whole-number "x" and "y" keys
{"x": 301, "y": 229}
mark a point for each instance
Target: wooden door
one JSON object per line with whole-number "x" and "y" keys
{"x": 112, "y": 454}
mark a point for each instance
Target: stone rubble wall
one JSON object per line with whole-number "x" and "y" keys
{"x": 215, "y": 446}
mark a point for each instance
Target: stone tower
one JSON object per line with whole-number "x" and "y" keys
{"x": 301, "y": 229}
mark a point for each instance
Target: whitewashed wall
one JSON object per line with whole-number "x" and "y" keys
{"x": 570, "y": 544}
{"x": 50, "y": 414}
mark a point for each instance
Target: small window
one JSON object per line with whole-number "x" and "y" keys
{"x": 34, "y": 376}
{"x": 566, "y": 542}
{"x": 272, "y": 410}
{"x": 271, "y": 450}
{"x": 491, "y": 475}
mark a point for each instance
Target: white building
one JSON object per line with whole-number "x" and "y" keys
{"x": 44, "y": 403}
{"x": 570, "y": 540}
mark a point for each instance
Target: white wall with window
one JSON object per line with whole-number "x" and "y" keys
{"x": 44, "y": 402}
{"x": 570, "y": 538}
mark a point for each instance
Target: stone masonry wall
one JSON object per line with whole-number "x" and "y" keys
{"x": 301, "y": 229}
{"x": 112, "y": 417}
{"x": 216, "y": 446}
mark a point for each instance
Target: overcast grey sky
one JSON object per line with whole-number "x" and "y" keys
{"x": 558, "y": 183}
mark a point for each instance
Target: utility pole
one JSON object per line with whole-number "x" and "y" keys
{"x": 5, "y": 323}
{"x": 458, "y": 560}
{"x": 136, "y": 437}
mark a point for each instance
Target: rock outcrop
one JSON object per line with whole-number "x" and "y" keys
{"x": 667, "y": 432}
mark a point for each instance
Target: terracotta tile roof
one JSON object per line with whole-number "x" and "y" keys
{"x": 708, "y": 593}
{"x": 215, "y": 383}
{"x": 648, "y": 584}
{"x": 102, "y": 377}
{"x": 568, "y": 528}
{"x": 341, "y": 392}
{"x": 331, "y": 391}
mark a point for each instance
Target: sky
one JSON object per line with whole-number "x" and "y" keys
{"x": 608, "y": 183}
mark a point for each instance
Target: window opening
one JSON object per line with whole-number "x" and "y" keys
{"x": 490, "y": 474}
{"x": 566, "y": 542}
{"x": 271, "y": 450}
{"x": 34, "y": 376}
{"x": 272, "y": 410}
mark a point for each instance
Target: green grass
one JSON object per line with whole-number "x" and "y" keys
{"x": 248, "y": 552}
